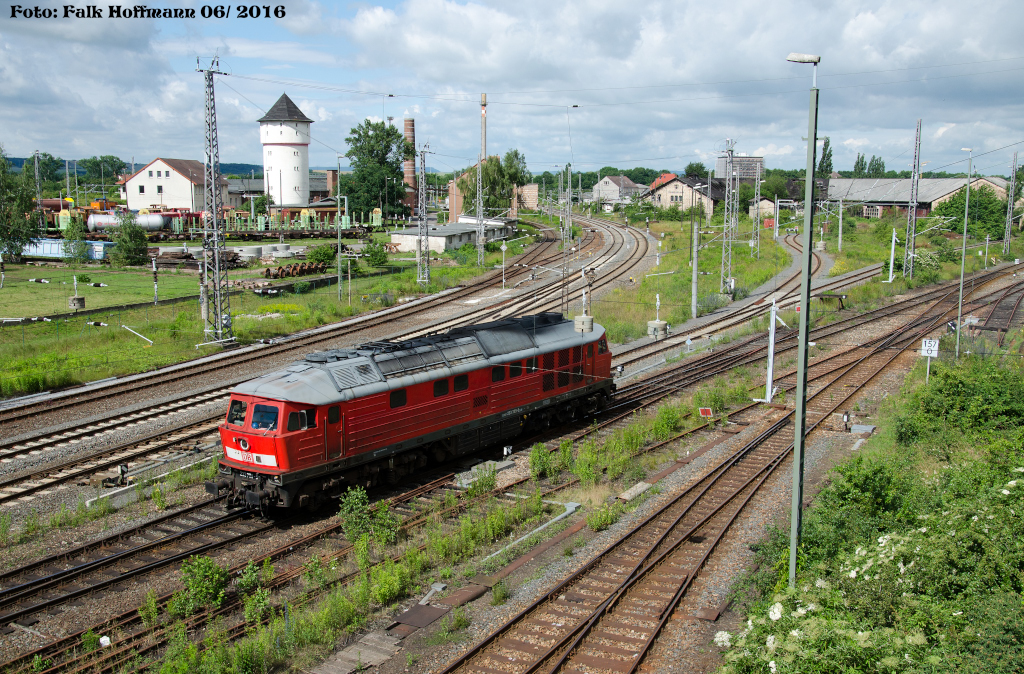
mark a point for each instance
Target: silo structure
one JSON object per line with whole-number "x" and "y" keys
{"x": 284, "y": 134}
{"x": 409, "y": 166}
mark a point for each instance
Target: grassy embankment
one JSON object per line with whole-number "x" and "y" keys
{"x": 624, "y": 312}
{"x": 39, "y": 356}
{"x": 911, "y": 558}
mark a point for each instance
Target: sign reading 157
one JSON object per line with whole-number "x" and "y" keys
{"x": 930, "y": 348}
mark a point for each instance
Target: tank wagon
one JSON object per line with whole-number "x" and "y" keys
{"x": 383, "y": 410}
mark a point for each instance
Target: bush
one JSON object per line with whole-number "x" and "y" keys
{"x": 257, "y": 606}
{"x": 486, "y": 481}
{"x": 540, "y": 461}
{"x": 376, "y": 255}
{"x": 359, "y": 519}
{"x": 132, "y": 247}
{"x": 500, "y": 593}
{"x": 603, "y": 517}
{"x": 149, "y": 612}
{"x": 325, "y": 254}
{"x": 205, "y": 582}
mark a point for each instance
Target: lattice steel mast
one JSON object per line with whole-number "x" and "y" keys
{"x": 911, "y": 234}
{"x": 423, "y": 263}
{"x": 1009, "y": 206}
{"x": 218, "y": 310}
{"x": 729, "y": 224}
{"x": 755, "y": 244}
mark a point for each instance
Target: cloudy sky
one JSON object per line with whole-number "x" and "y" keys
{"x": 658, "y": 83}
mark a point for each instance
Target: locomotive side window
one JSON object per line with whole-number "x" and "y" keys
{"x": 461, "y": 382}
{"x": 300, "y": 421}
{"x": 498, "y": 373}
{"x": 264, "y": 417}
{"x": 515, "y": 369}
{"x": 531, "y": 365}
{"x": 236, "y": 414}
{"x": 602, "y": 346}
{"x": 397, "y": 398}
{"x": 440, "y": 388}
{"x": 590, "y": 350}
{"x": 333, "y": 415}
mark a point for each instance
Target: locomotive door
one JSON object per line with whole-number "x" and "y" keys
{"x": 333, "y": 432}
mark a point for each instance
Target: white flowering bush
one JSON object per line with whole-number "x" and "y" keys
{"x": 913, "y": 557}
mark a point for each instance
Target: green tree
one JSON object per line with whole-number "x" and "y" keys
{"x": 860, "y": 167}
{"x": 825, "y": 163}
{"x": 502, "y": 176}
{"x": 987, "y": 214}
{"x": 105, "y": 168}
{"x": 876, "y": 167}
{"x": 378, "y": 144}
{"x": 50, "y": 167}
{"x": 775, "y": 186}
{"x": 376, "y": 255}
{"x": 75, "y": 247}
{"x": 132, "y": 244}
{"x": 695, "y": 169}
{"x": 746, "y": 195}
{"x": 16, "y": 229}
{"x": 262, "y": 204}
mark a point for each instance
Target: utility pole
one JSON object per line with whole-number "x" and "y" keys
{"x": 1009, "y": 206}
{"x": 908, "y": 245}
{"x": 800, "y": 413}
{"x": 423, "y": 268}
{"x": 479, "y": 211}
{"x": 218, "y": 309}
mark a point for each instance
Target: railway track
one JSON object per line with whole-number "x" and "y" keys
{"x": 848, "y": 362}
{"x": 1001, "y": 318}
{"x": 290, "y": 344}
{"x": 607, "y": 615}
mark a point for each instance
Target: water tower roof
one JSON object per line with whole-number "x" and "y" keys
{"x": 284, "y": 110}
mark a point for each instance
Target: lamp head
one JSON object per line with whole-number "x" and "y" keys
{"x": 803, "y": 58}
{"x": 966, "y": 149}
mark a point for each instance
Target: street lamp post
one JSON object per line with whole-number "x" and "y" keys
{"x": 800, "y": 415}
{"x": 963, "y": 249}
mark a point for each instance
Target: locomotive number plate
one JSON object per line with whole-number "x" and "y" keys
{"x": 246, "y": 475}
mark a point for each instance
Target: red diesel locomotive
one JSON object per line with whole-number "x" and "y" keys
{"x": 296, "y": 437}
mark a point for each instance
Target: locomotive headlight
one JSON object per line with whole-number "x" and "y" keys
{"x": 275, "y": 479}
{"x": 243, "y": 443}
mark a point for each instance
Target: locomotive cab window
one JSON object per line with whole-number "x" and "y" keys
{"x": 515, "y": 369}
{"x": 264, "y": 417}
{"x": 301, "y": 420}
{"x": 602, "y": 346}
{"x": 236, "y": 414}
{"x": 531, "y": 365}
{"x": 333, "y": 415}
{"x": 397, "y": 398}
{"x": 461, "y": 382}
{"x": 498, "y": 373}
{"x": 440, "y": 388}
{"x": 590, "y": 350}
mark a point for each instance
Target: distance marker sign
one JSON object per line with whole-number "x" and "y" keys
{"x": 930, "y": 348}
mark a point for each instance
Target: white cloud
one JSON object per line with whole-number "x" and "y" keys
{"x": 650, "y": 84}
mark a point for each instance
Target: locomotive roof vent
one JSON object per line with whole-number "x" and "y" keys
{"x": 331, "y": 356}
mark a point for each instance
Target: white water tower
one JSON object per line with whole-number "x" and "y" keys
{"x": 284, "y": 133}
